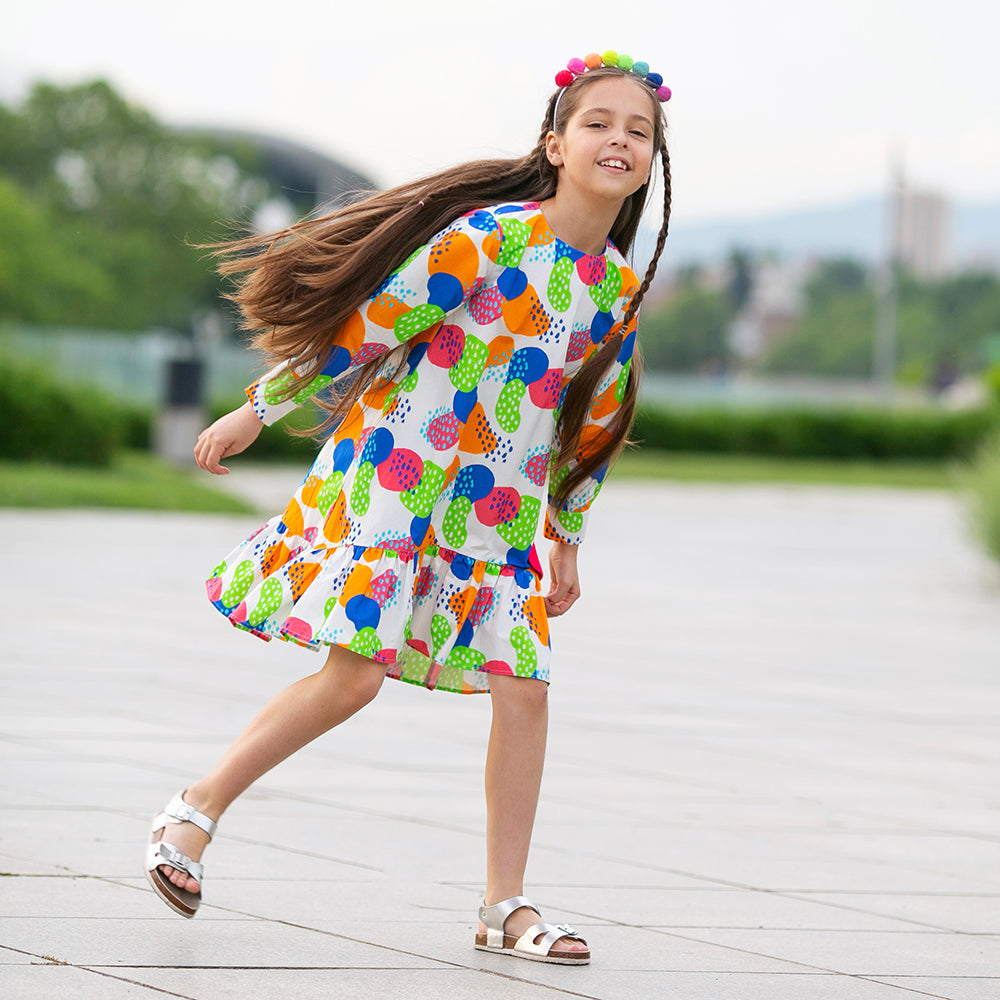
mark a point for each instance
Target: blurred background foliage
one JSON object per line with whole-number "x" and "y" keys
{"x": 99, "y": 206}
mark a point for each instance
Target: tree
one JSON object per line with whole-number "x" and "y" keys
{"x": 689, "y": 332}
{"x": 119, "y": 198}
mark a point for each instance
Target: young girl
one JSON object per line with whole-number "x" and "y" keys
{"x": 489, "y": 316}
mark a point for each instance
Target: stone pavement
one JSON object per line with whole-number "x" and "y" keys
{"x": 772, "y": 769}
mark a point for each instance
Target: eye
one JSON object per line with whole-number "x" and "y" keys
{"x": 596, "y": 125}
{"x": 639, "y": 132}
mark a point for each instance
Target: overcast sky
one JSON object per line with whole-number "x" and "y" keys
{"x": 777, "y": 104}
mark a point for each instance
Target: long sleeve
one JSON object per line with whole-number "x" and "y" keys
{"x": 435, "y": 280}
{"x": 569, "y": 523}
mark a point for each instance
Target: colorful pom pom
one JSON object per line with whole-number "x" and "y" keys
{"x": 593, "y": 60}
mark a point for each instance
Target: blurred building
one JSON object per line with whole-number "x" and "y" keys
{"x": 772, "y": 307}
{"x": 921, "y": 221}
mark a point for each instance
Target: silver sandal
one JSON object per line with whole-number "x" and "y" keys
{"x": 496, "y": 941}
{"x": 159, "y": 852}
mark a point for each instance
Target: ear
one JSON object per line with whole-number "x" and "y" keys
{"x": 553, "y": 149}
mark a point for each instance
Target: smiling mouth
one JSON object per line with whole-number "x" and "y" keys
{"x": 615, "y": 164}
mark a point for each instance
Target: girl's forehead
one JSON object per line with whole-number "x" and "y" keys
{"x": 618, "y": 94}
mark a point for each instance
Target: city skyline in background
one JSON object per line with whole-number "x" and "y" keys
{"x": 775, "y": 109}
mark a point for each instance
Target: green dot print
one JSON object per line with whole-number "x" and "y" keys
{"x": 467, "y": 371}
{"x": 418, "y": 319}
{"x": 273, "y": 388}
{"x": 527, "y": 658}
{"x": 240, "y": 584}
{"x": 454, "y": 522}
{"x": 606, "y": 292}
{"x": 268, "y": 603}
{"x": 329, "y": 492}
{"x": 359, "y": 498}
{"x": 515, "y": 240}
{"x": 509, "y": 405}
{"x": 421, "y": 499}
{"x": 559, "y": 295}
{"x": 366, "y": 642}
{"x": 622, "y": 384}
{"x": 520, "y": 532}
{"x": 571, "y": 520}
{"x": 440, "y": 631}
{"x": 312, "y": 388}
{"x": 465, "y": 658}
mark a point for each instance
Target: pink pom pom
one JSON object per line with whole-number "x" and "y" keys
{"x": 664, "y": 93}
{"x": 576, "y": 66}
{"x": 564, "y": 78}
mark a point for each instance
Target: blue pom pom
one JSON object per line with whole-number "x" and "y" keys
{"x": 655, "y": 79}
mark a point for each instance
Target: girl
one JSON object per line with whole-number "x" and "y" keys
{"x": 490, "y": 318}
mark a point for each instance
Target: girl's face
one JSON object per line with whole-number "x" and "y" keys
{"x": 606, "y": 152}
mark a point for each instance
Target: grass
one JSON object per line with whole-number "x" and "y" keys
{"x": 138, "y": 480}
{"x": 134, "y": 479}
{"x": 688, "y": 467}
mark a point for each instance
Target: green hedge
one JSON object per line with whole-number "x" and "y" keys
{"x": 43, "y": 418}
{"x": 848, "y": 433}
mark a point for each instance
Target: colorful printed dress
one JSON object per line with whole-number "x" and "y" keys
{"x": 411, "y": 540}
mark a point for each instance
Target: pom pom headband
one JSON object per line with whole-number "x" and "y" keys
{"x": 577, "y": 67}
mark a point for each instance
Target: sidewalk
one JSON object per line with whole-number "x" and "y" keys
{"x": 772, "y": 769}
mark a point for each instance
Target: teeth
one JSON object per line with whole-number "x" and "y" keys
{"x": 614, "y": 163}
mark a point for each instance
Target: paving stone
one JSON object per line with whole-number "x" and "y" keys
{"x": 784, "y": 789}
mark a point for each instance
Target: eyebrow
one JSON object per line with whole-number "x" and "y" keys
{"x": 608, "y": 111}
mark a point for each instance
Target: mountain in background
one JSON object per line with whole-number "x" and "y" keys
{"x": 852, "y": 229}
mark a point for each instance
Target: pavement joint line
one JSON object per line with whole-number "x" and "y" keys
{"x": 97, "y": 971}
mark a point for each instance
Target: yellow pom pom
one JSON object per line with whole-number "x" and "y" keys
{"x": 609, "y": 57}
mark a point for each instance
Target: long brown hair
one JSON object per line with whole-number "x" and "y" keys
{"x": 297, "y": 288}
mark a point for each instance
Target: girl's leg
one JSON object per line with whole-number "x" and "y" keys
{"x": 514, "y": 764}
{"x": 294, "y": 717}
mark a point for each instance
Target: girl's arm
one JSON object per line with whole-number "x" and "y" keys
{"x": 564, "y": 579}
{"x": 229, "y": 435}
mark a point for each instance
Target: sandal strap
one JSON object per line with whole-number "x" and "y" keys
{"x": 495, "y": 916}
{"x": 553, "y": 932}
{"x": 163, "y": 853}
{"x": 178, "y": 811}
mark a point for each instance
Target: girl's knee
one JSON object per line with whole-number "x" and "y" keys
{"x": 353, "y": 674}
{"x": 519, "y": 694}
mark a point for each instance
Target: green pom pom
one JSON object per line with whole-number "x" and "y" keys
{"x": 624, "y": 62}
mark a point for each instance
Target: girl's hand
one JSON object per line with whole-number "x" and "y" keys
{"x": 564, "y": 585}
{"x": 229, "y": 435}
